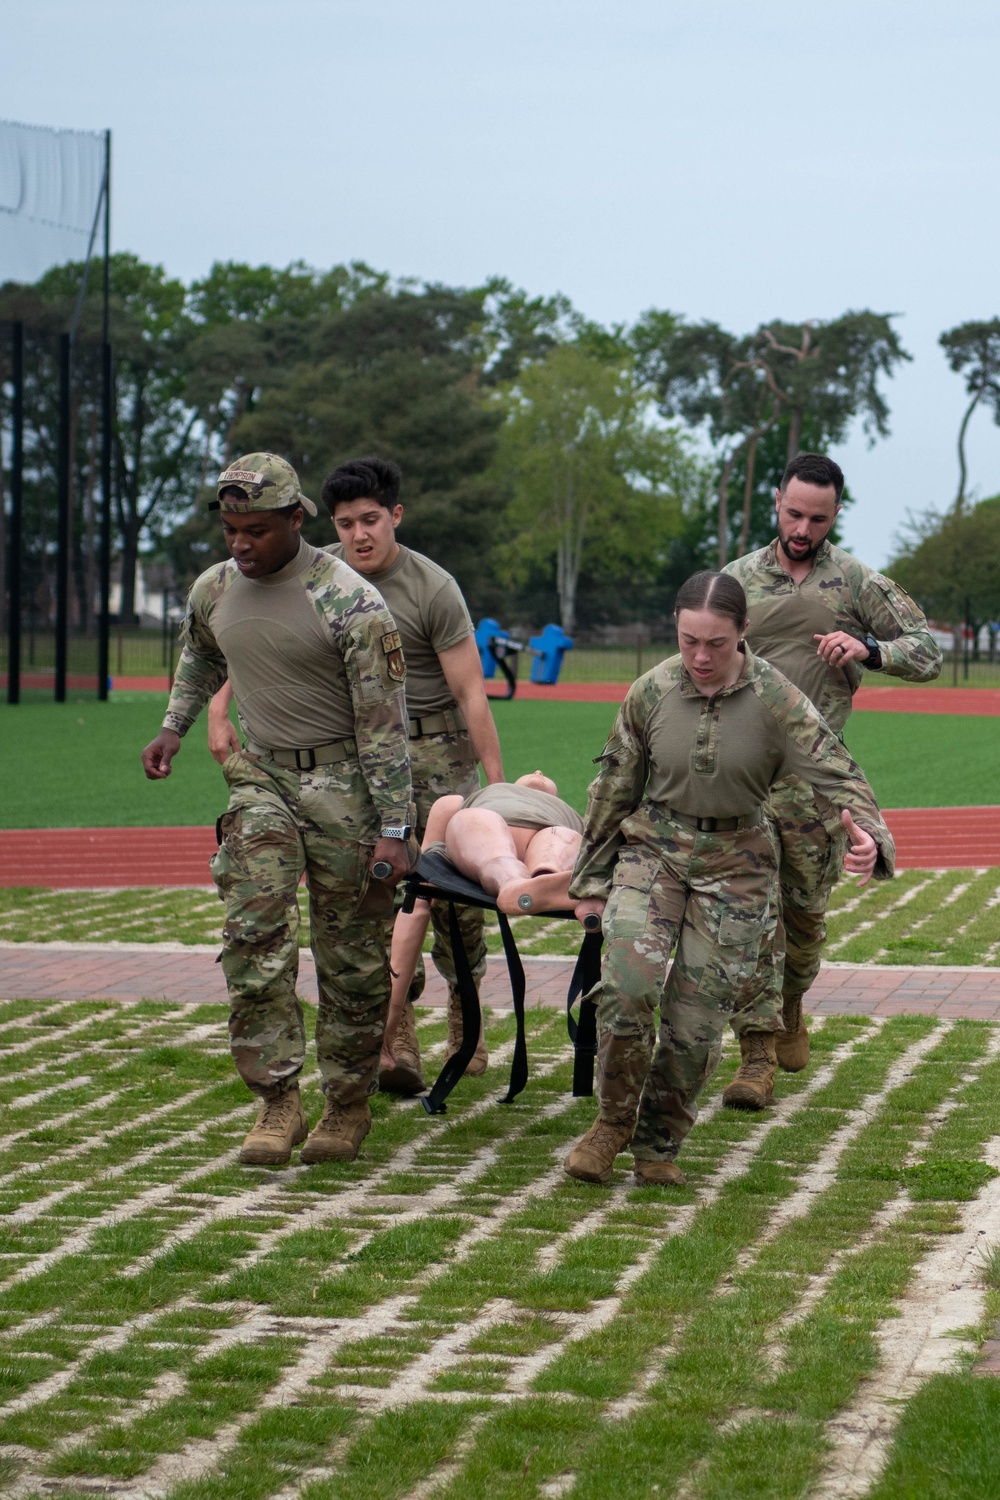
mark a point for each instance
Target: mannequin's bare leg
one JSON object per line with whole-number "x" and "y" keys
{"x": 550, "y": 858}
{"x": 410, "y": 929}
{"x": 481, "y": 845}
{"x": 408, "y": 933}
{"x": 526, "y": 871}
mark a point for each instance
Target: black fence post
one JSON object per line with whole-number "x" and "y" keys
{"x": 104, "y": 615}
{"x": 968, "y": 644}
{"x": 15, "y": 562}
{"x": 63, "y": 523}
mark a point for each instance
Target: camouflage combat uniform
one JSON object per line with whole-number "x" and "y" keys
{"x": 839, "y": 593}
{"x": 315, "y": 663}
{"x": 676, "y": 839}
{"x": 431, "y": 615}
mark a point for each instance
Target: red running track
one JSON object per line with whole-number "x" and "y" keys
{"x": 77, "y": 858}
{"x": 984, "y": 702}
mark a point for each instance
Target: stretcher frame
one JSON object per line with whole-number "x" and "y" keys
{"x": 436, "y": 879}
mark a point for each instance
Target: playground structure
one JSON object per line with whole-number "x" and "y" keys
{"x": 498, "y": 649}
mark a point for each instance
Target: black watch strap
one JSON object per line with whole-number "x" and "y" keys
{"x": 874, "y": 659}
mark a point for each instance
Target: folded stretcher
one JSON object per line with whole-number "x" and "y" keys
{"x": 436, "y": 879}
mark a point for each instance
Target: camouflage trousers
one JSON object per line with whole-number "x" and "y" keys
{"x": 711, "y": 894}
{"x": 443, "y": 764}
{"x": 812, "y": 845}
{"x": 279, "y": 825}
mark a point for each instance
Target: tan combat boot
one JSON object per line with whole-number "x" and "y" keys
{"x": 592, "y": 1159}
{"x": 658, "y": 1174}
{"x": 406, "y": 1077}
{"x": 753, "y": 1086}
{"x": 339, "y": 1133}
{"x": 477, "y": 1063}
{"x": 792, "y": 1045}
{"x": 280, "y": 1125}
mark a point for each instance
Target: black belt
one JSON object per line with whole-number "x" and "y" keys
{"x": 717, "y": 825}
{"x": 449, "y": 721}
{"x": 308, "y": 760}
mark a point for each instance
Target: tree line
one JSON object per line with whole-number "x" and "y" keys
{"x": 557, "y": 466}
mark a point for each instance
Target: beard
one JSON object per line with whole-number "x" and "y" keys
{"x": 800, "y": 556}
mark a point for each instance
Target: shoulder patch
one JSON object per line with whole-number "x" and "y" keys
{"x": 392, "y": 650}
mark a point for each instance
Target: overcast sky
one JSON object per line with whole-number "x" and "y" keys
{"x": 725, "y": 160}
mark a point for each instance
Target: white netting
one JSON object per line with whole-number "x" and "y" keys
{"x": 51, "y": 184}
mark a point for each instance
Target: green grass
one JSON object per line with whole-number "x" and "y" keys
{"x": 85, "y": 770}
{"x": 947, "y": 1447}
{"x": 170, "y": 1320}
{"x": 928, "y": 760}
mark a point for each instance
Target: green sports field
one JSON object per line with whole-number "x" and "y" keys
{"x": 77, "y": 764}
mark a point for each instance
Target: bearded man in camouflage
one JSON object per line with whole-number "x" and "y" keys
{"x": 824, "y": 619}
{"x": 322, "y": 789}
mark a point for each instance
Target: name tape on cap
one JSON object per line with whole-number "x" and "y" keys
{"x": 241, "y": 476}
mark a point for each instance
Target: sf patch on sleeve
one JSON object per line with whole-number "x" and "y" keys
{"x": 392, "y": 650}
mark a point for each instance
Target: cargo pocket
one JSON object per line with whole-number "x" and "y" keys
{"x": 740, "y": 934}
{"x": 627, "y": 911}
{"x": 227, "y": 863}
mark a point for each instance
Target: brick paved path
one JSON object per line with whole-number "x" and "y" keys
{"x": 85, "y": 971}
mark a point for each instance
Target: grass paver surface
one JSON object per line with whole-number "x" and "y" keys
{"x": 945, "y": 917}
{"x": 451, "y": 1315}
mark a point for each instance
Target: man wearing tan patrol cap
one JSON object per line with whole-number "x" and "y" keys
{"x": 451, "y": 724}
{"x": 322, "y": 788}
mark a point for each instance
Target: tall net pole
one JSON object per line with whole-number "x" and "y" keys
{"x": 16, "y": 516}
{"x": 107, "y": 418}
{"x": 64, "y": 518}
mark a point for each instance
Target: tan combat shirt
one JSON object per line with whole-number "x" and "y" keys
{"x": 714, "y": 758}
{"x": 431, "y": 616}
{"x": 525, "y": 806}
{"x": 313, "y": 655}
{"x": 839, "y": 593}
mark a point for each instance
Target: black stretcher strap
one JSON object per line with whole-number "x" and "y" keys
{"x": 519, "y": 1062}
{"x": 472, "y": 1021}
{"x": 583, "y": 1033}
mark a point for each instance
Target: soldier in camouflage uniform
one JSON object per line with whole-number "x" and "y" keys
{"x": 450, "y": 723}
{"x": 322, "y": 789}
{"x": 676, "y": 849}
{"x": 824, "y": 619}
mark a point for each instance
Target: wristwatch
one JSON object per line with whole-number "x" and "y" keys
{"x": 874, "y": 658}
{"x": 403, "y": 831}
